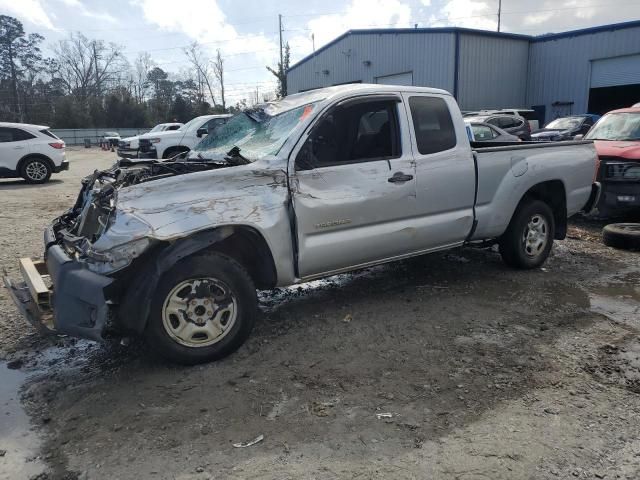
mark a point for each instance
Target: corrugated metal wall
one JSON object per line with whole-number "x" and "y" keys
{"x": 560, "y": 69}
{"x": 492, "y": 72}
{"x": 430, "y": 57}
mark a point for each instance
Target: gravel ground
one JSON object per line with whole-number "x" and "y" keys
{"x": 448, "y": 366}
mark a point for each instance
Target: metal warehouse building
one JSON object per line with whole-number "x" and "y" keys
{"x": 591, "y": 70}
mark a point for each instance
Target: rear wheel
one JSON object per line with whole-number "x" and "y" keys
{"x": 204, "y": 308}
{"x": 529, "y": 237}
{"x": 36, "y": 170}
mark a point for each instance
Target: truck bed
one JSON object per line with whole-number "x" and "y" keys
{"x": 498, "y": 195}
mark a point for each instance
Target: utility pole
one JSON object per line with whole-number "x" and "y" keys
{"x": 499, "y": 12}
{"x": 257, "y": 95}
{"x": 280, "y": 32}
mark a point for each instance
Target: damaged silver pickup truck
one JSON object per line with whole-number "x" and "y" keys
{"x": 315, "y": 184}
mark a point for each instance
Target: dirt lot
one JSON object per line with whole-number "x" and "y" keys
{"x": 449, "y": 366}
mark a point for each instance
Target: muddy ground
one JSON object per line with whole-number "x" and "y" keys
{"x": 449, "y": 366}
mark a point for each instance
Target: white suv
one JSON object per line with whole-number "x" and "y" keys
{"x": 31, "y": 152}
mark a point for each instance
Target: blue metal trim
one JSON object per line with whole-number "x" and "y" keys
{"x": 587, "y": 31}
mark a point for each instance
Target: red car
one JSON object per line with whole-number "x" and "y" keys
{"x": 617, "y": 140}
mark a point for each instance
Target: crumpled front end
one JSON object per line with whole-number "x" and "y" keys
{"x": 73, "y": 289}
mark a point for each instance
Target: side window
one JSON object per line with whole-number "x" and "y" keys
{"x": 214, "y": 123}
{"x": 173, "y": 127}
{"x": 353, "y": 133}
{"x": 506, "y": 122}
{"x": 432, "y": 124}
{"x": 19, "y": 134}
{"x": 6, "y": 135}
{"x": 483, "y": 133}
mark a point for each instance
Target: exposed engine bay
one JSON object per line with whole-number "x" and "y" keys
{"x": 95, "y": 206}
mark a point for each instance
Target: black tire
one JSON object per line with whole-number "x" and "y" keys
{"x": 36, "y": 170}
{"x": 209, "y": 266}
{"x": 515, "y": 250}
{"x": 622, "y": 235}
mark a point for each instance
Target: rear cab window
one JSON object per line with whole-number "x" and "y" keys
{"x": 432, "y": 124}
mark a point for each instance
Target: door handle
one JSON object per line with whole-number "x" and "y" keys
{"x": 400, "y": 177}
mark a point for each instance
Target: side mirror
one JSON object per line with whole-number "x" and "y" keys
{"x": 578, "y": 137}
{"x": 201, "y": 132}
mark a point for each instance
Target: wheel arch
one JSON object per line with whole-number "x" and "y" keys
{"x": 553, "y": 193}
{"x": 29, "y": 156}
{"x": 174, "y": 150}
{"x": 243, "y": 243}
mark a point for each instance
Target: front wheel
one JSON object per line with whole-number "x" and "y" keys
{"x": 204, "y": 308}
{"x": 529, "y": 237}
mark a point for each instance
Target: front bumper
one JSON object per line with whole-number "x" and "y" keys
{"x": 620, "y": 195}
{"x": 127, "y": 152}
{"x": 61, "y": 295}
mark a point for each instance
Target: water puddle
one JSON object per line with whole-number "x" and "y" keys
{"x": 619, "y": 302}
{"x": 19, "y": 445}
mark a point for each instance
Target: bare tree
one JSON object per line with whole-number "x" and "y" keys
{"x": 200, "y": 62}
{"x": 143, "y": 65}
{"x": 218, "y": 71}
{"x": 88, "y": 66}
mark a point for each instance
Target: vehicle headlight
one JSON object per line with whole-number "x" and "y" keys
{"x": 125, "y": 239}
{"x": 154, "y": 140}
{"x": 109, "y": 261}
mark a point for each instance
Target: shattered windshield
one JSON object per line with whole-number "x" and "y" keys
{"x": 564, "y": 124}
{"x": 254, "y": 132}
{"x": 616, "y": 126}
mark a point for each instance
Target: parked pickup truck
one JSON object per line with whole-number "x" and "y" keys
{"x": 169, "y": 143}
{"x": 128, "y": 147}
{"x": 617, "y": 140}
{"x": 317, "y": 183}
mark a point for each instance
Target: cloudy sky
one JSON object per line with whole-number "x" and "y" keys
{"x": 246, "y": 31}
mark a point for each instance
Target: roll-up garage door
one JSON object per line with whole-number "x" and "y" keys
{"x": 611, "y": 72}
{"x": 405, "y": 78}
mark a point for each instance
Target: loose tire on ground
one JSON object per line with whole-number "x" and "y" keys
{"x": 529, "y": 237}
{"x": 622, "y": 235}
{"x": 203, "y": 309}
{"x": 36, "y": 170}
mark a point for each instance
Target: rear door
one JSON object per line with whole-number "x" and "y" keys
{"x": 445, "y": 171}
{"x": 354, "y": 187}
{"x": 14, "y": 144}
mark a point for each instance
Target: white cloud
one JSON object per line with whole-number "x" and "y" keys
{"x": 359, "y": 14}
{"x": 466, "y": 13}
{"x": 204, "y": 21}
{"x": 28, "y": 10}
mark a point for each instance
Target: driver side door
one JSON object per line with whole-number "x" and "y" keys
{"x": 354, "y": 187}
